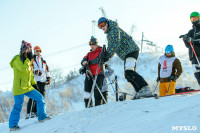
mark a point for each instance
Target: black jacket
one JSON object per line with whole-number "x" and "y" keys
{"x": 195, "y": 35}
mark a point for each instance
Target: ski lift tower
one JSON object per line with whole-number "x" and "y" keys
{"x": 103, "y": 12}
{"x": 93, "y": 27}
{"x": 132, "y": 30}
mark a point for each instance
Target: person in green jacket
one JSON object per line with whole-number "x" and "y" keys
{"x": 24, "y": 84}
{"x": 126, "y": 49}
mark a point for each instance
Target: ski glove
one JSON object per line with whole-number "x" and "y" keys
{"x": 38, "y": 73}
{"x": 158, "y": 79}
{"x": 36, "y": 87}
{"x": 186, "y": 38}
{"x": 82, "y": 70}
{"x": 175, "y": 77}
{"x": 29, "y": 55}
{"x": 48, "y": 80}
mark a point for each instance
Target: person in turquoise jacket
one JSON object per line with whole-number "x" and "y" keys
{"x": 121, "y": 44}
{"x": 24, "y": 84}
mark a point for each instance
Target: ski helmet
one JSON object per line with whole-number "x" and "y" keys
{"x": 93, "y": 41}
{"x": 102, "y": 19}
{"x": 169, "y": 49}
{"x": 36, "y": 48}
{"x": 25, "y": 45}
{"x": 194, "y": 14}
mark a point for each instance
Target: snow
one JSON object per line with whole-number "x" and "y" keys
{"x": 130, "y": 116}
{"x": 140, "y": 116}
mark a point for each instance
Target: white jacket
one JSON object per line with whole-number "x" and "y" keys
{"x": 40, "y": 65}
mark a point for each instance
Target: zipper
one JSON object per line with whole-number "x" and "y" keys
{"x": 20, "y": 81}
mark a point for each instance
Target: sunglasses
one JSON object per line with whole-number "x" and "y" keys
{"x": 102, "y": 24}
{"x": 193, "y": 19}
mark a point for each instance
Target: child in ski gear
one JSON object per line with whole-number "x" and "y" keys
{"x": 124, "y": 46}
{"x": 193, "y": 36}
{"x": 169, "y": 70}
{"x": 92, "y": 60}
{"x": 108, "y": 72}
{"x": 41, "y": 76}
{"x": 24, "y": 84}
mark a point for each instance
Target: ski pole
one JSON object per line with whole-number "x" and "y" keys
{"x": 31, "y": 107}
{"x": 156, "y": 87}
{"x": 168, "y": 87}
{"x": 191, "y": 47}
{"x": 90, "y": 74}
{"x": 194, "y": 52}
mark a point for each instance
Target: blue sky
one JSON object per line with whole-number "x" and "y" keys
{"x": 56, "y": 25}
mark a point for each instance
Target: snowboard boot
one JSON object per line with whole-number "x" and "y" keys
{"x": 15, "y": 128}
{"x": 86, "y": 103}
{"x": 47, "y": 118}
{"x": 144, "y": 92}
{"x": 27, "y": 116}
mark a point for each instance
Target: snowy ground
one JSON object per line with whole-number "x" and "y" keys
{"x": 147, "y": 115}
{"x": 165, "y": 115}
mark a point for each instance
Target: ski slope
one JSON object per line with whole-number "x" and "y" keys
{"x": 164, "y": 115}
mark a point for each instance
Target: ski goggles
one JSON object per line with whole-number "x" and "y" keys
{"x": 92, "y": 43}
{"x": 102, "y": 24}
{"x": 168, "y": 52}
{"x": 193, "y": 19}
{"x": 28, "y": 45}
{"x": 38, "y": 51}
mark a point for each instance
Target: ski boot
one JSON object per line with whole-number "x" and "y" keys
{"x": 27, "y": 116}
{"x": 15, "y": 128}
{"x": 47, "y": 118}
{"x": 144, "y": 92}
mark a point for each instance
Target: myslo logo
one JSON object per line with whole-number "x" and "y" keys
{"x": 184, "y": 128}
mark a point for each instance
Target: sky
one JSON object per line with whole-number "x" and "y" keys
{"x": 60, "y": 27}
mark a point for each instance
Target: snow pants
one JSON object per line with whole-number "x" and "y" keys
{"x": 196, "y": 69}
{"x": 19, "y": 99}
{"x": 88, "y": 88}
{"x": 131, "y": 75}
{"x": 163, "y": 88}
{"x": 31, "y": 103}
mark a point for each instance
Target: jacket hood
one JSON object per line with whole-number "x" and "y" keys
{"x": 14, "y": 58}
{"x": 111, "y": 24}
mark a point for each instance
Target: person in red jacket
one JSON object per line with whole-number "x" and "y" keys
{"x": 92, "y": 60}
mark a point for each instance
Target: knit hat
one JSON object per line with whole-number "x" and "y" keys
{"x": 93, "y": 41}
{"x": 24, "y": 46}
{"x": 169, "y": 49}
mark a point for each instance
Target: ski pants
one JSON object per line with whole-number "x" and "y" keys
{"x": 88, "y": 88}
{"x": 163, "y": 88}
{"x": 19, "y": 99}
{"x": 196, "y": 69}
{"x": 31, "y": 103}
{"x": 131, "y": 75}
